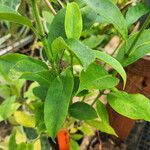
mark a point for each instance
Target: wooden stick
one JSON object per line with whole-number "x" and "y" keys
{"x": 16, "y": 46}
{"x": 50, "y": 7}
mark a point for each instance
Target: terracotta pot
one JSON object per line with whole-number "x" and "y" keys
{"x": 138, "y": 81}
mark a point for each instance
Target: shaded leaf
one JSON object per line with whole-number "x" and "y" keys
{"x": 111, "y": 13}
{"x": 135, "y": 12}
{"x": 94, "y": 41}
{"x": 57, "y": 28}
{"x": 40, "y": 92}
{"x": 11, "y": 15}
{"x": 140, "y": 49}
{"x": 82, "y": 111}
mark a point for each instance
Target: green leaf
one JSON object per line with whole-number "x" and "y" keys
{"x": 94, "y": 41}
{"x": 57, "y": 102}
{"x": 58, "y": 45}
{"x": 12, "y": 142}
{"x": 134, "y": 106}
{"x": 57, "y": 28}
{"x": 86, "y": 129}
{"x": 42, "y": 77}
{"x": 26, "y": 66}
{"x": 88, "y": 17}
{"x": 40, "y": 92}
{"x": 96, "y": 77}
{"x": 140, "y": 49}
{"x": 22, "y": 146}
{"x": 15, "y": 65}
{"x": 82, "y": 111}
{"x": 45, "y": 143}
{"x": 24, "y": 119}
{"x": 108, "y": 10}
{"x": 112, "y": 62}
{"x": 102, "y": 126}
{"x": 84, "y": 53}
{"x": 73, "y": 21}
{"x": 135, "y": 12}
{"x": 74, "y": 145}
{"x": 11, "y": 15}
{"x": 39, "y": 113}
{"x": 48, "y": 16}
{"x": 9, "y": 60}
{"x": 102, "y": 112}
{"x": 6, "y": 108}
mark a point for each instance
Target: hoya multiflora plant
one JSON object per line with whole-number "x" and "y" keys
{"x": 71, "y": 69}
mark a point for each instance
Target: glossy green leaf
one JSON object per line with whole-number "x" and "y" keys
{"x": 134, "y": 106}
{"x": 96, "y": 77}
{"x": 7, "y": 108}
{"x": 73, "y": 21}
{"x": 140, "y": 49}
{"x": 102, "y": 126}
{"x": 108, "y": 10}
{"x": 57, "y": 27}
{"x": 57, "y": 102}
{"x": 135, "y": 12}
{"x": 102, "y": 111}
{"x": 112, "y": 62}
{"x": 83, "y": 53}
{"x": 11, "y": 15}
{"x": 82, "y": 111}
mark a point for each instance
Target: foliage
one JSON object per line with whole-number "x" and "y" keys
{"x": 75, "y": 66}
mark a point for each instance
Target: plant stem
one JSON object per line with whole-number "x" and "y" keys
{"x": 146, "y": 23}
{"x": 42, "y": 33}
{"x": 71, "y": 62}
{"x": 97, "y": 97}
{"x": 49, "y": 5}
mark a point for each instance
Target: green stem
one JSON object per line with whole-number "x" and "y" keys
{"x": 71, "y": 61}
{"x": 97, "y": 97}
{"x": 146, "y": 23}
{"x": 42, "y": 33}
